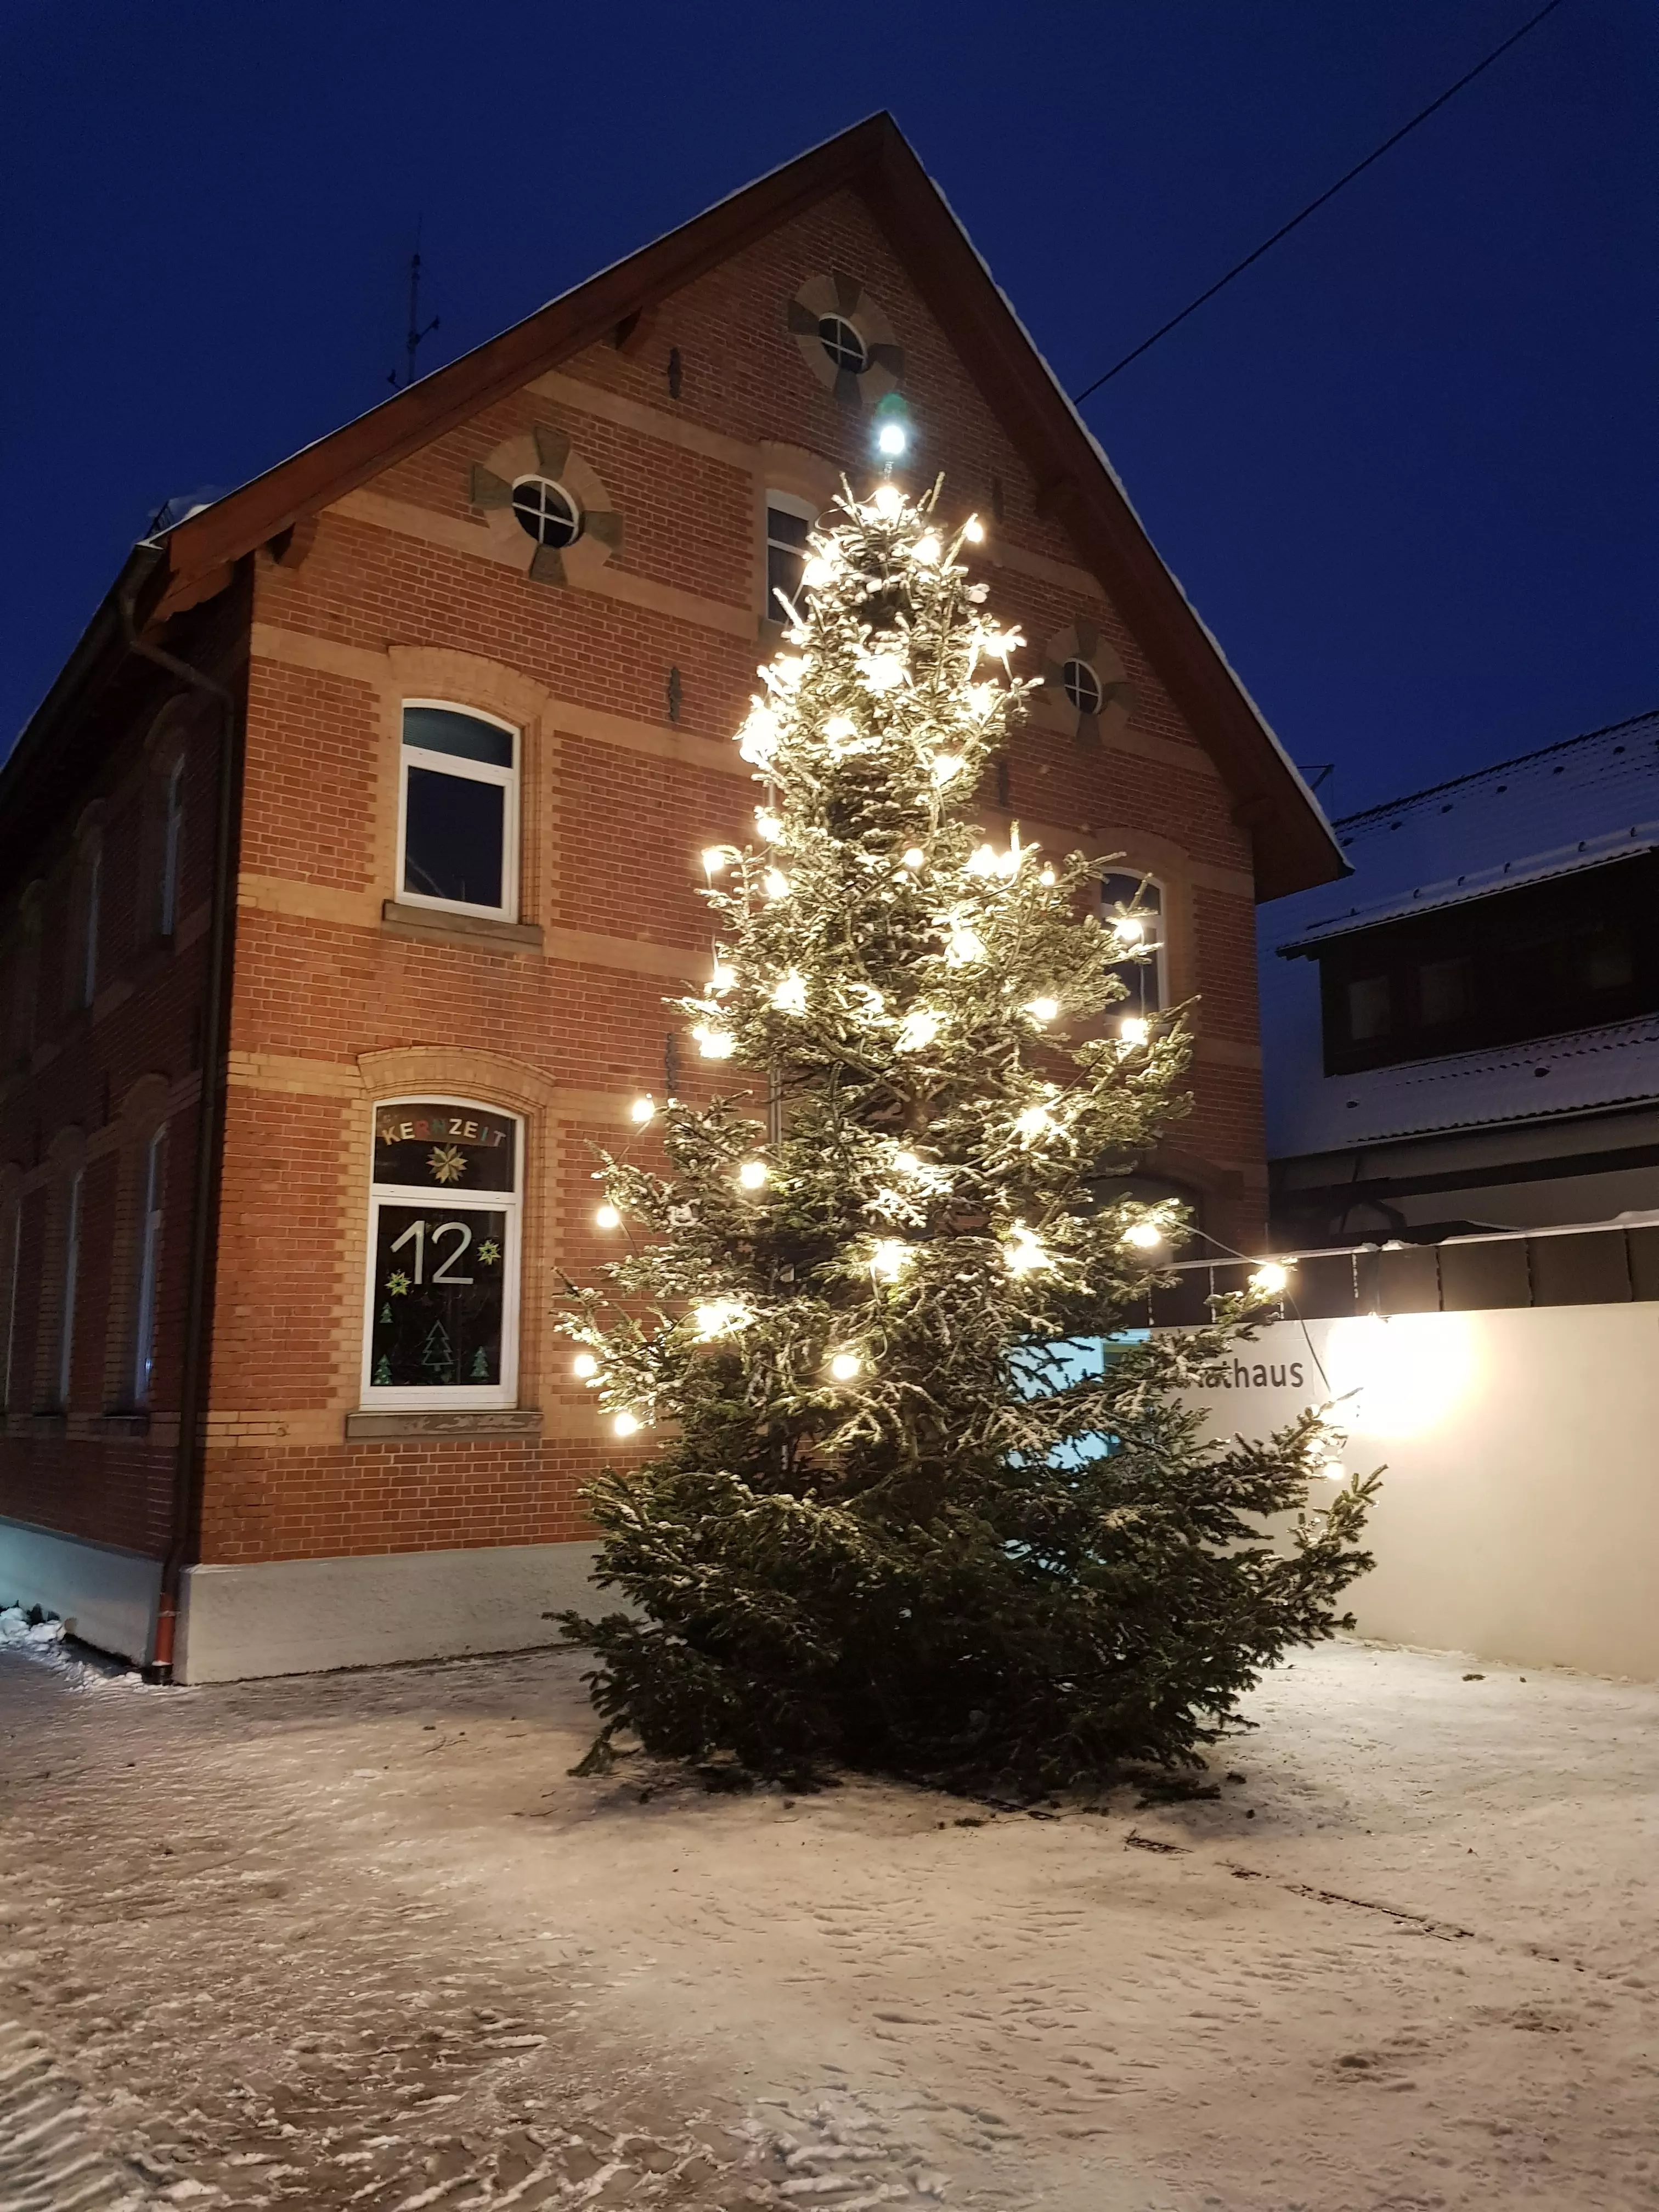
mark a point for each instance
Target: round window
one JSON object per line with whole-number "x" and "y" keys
{"x": 546, "y": 511}
{"x": 1082, "y": 686}
{"x": 842, "y": 343}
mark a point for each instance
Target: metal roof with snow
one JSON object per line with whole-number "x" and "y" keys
{"x": 1587, "y": 802}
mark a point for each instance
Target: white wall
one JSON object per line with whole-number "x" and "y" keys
{"x": 1519, "y": 1515}
{"x": 107, "y": 1597}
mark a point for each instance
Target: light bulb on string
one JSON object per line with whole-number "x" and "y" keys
{"x": 845, "y": 1365}
{"x": 1270, "y": 1278}
{"x": 608, "y": 1218}
{"x": 889, "y": 499}
{"x": 585, "y": 1365}
{"x": 723, "y": 978}
{"x": 1130, "y": 927}
{"x": 839, "y": 728}
{"x": 1049, "y": 879}
{"x": 1034, "y": 1121}
{"x": 946, "y": 765}
{"x": 642, "y": 1110}
{"x": 769, "y": 825}
{"x": 1043, "y": 1010}
{"x": 714, "y": 860}
{"x": 1144, "y": 1234}
{"x": 890, "y": 1256}
{"x": 883, "y": 671}
{"x": 1133, "y": 1030}
{"x": 1023, "y": 1254}
{"x": 626, "y": 1424}
{"x": 789, "y": 995}
{"x": 913, "y": 859}
{"x": 817, "y": 572}
{"x": 982, "y": 861}
{"x": 713, "y": 1044}
{"x": 1334, "y": 1471}
{"x": 890, "y": 443}
{"x": 906, "y": 1162}
{"x": 776, "y": 883}
{"x": 754, "y": 1175}
{"x": 917, "y": 1030}
{"x": 963, "y": 946}
{"x": 926, "y": 550}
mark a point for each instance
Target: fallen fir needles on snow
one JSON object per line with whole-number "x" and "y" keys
{"x": 923, "y": 1509}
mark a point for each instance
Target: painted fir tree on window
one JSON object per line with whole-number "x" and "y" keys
{"x": 903, "y": 1509}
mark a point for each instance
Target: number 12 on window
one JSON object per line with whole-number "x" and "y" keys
{"x": 416, "y": 1234}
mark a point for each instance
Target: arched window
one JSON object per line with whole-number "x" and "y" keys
{"x": 788, "y": 520}
{"x": 457, "y": 812}
{"x": 442, "y": 1317}
{"x": 1133, "y": 905}
{"x": 149, "y": 1265}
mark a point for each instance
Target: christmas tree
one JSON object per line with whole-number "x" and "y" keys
{"x": 918, "y": 1504}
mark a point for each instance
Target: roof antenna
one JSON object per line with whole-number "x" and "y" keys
{"x": 413, "y": 334}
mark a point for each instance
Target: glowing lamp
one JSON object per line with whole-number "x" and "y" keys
{"x": 714, "y": 860}
{"x": 844, "y": 1366}
{"x": 913, "y": 859}
{"x": 712, "y": 1044}
{"x": 608, "y": 1218}
{"x": 789, "y": 995}
{"x": 642, "y": 1110}
{"x": 888, "y": 501}
{"x": 753, "y": 1173}
{"x": 769, "y": 825}
{"x": 1270, "y": 1278}
{"x": 892, "y": 440}
{"x": 889, "y": 1257}
{"x": 973, "y": 530}
{"x": 776, "y": 883}
{"x": 626, "y": 1424}
{"x": 1133, "y": 1030}
{"x": 585, "y": 1365}
{"x": 1144, "y": 1234}
{"x": 1043, "y": 1010}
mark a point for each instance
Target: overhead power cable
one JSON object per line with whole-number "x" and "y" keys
{"x": 1313, "y": 206}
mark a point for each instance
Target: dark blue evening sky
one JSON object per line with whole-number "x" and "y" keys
{"x": 1407, "y": 467}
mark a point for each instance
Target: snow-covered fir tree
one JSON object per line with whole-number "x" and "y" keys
{"x": 900, "y": 1511}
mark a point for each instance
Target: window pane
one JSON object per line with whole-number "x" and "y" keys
{"x": 1369, "y": 1009}
{"x": 452, "y": 838}
{"x": 783, "y": 570}
{"x": 434, "y": 1147}
{"x": 442, "y": 730}
{"x": 1125, "y": 891}
{"x": 439, "y": 1283}
{"x": 1446, "y": 989}
{"x": 785, "y": 528}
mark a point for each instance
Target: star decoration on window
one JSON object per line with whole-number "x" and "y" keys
{"x": 447, "y": 1163}
{"x": 397, "y": 1283}
{"x": 488, "y": 1252}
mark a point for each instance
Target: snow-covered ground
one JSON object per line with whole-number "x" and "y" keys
{"x": 359, "y": 1939}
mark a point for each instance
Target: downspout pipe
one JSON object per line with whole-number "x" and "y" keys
{"x": 210, "y": 1132}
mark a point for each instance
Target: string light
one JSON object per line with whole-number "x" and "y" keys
{"x": 845, "y": 1365}
{"x": 1270, "y": 1278}
{"x": 890, "y": 443}
{"x": 1049, "y": 879}
{"x": 945, "y": 765}
{"x": 642, "y": 1110}
{"x": 818, "y": 571}
{"x": 890, "y": 1256}
{"x": 963, "y": 945}
{"x": 714, "y": 860}
{"x": 769, "y": 825}
{"x": 723, "y": 977}
{"x": 982, "y": 861}
{"x": 913, "y": 859}
{"x": 626, "y": 1424}
{"x": 585, "y": 1365}
{"x": 753, "y": 1174}
{"x": 1025, "y": 1254}
{"x": 840, "y": 727}
{"x": 888, "y": 498}
{"x": 718, "y": 1318}
{"x": 1133, "y": 1030}
{"x": 917, "y": 1030}
{"x": 1034, "y": 1121}
{"x": 926, "y": 550}
{"x": 1146, "y": 1234}
{"x": 608, "y": 1218}
{"x": 1130, "y": 928}
{"x": 973, "y": 530}
{"x": 790, "y": 995}
{"x": 712, "y": 1044}
{"x": 883, "y": 671}
{"x": 776, "y": 883}
{"x": 1043, "y": 1010}
{"x": 907, "y": 1162}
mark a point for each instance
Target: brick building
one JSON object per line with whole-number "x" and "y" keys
{"x": 349, "y": 861}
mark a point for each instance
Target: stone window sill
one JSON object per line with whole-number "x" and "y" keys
{"x": 473, "y": 933}
{"x": 125, "y": 1421}
{"x": 470, "y": 1421}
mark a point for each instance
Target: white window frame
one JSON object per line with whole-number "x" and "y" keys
{"x": 507, "y": 779}
{"x": 172, "y": 844}
{"x": 149, "y": 1259}
{"x": 786, "y": 502}
{"x": 71, "y": 1280}
{"x": 460, "y": 1397}
{"x": 1160, "y": 952}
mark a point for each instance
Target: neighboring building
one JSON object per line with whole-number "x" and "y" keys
{"x": 1465, "y": 1035}
{"x": 349, "y": 861}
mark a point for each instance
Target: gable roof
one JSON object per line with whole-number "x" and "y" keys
{"x": 1294, "y": 847}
